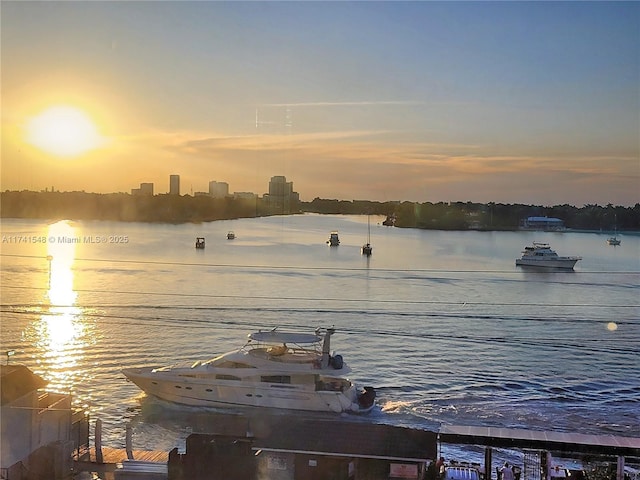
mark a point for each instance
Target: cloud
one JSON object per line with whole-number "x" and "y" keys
{"x": 346, "y": 104}
{"x": 382, "y": 165}
{"x": 367, "y": 148}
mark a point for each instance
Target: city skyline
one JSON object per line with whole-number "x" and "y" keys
{"x": 510, "y": 102}
{"x": 215, "y": 188}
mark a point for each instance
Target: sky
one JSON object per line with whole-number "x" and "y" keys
{"x": 508, "y": 102}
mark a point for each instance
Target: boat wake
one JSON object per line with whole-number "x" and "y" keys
{"x": 397, "y": 406}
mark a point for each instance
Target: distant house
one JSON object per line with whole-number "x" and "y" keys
{"x": 39, "y": 430}
{"x": 542, "y": 223}
{"x": 245, "y": 195}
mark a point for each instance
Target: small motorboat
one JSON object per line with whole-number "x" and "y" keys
{"x": 200, "y": 242}
{"x": 390, "y": 221}
{"x": 613, "y": 241}
{"x": 231, "y": 235}
{"x": 334, "y": 240}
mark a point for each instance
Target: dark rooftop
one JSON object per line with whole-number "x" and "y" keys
{"x": 348, "y": 438}
{"x": 552, "y": 441}
{"x": 339, "y": 436}
{"x": 16, "y": 381}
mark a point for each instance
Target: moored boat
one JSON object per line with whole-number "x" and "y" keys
{"x": 334, "y": 240}
{"x": 614, "y": 240}
{"x": 390, "y": 221}
{"x": 367, "y": 249}
{"x": 541, "y": 255}
{"x": 279, "y": 370}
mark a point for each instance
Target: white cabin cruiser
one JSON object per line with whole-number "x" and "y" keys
{"x": 273, "y": 369}
{"x": 541, "y": 255}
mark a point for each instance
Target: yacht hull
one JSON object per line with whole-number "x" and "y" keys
{"x": 212, "y": 392}
{"x": 547, "y": 263}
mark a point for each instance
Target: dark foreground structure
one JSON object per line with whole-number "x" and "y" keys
{"x": 41, "y": 436}
{"x": 287, "y": 448}
{"x": 290, "y": 448}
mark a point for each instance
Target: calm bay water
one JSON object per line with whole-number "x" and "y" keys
{"x": 443, "y": 324}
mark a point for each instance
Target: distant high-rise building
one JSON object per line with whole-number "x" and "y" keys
{"x": 174, "y": 184}
{"x": 279, "y": 187}
{"x": 145, "y": 189}
{"x": 281, "y": 197}
{"x": 218, "y": 189}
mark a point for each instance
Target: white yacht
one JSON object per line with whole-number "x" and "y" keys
{"x": 273, "y": 369}
{"x": 541, "y": 255}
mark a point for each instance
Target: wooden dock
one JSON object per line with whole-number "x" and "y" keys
{"x": 111, "y": 457}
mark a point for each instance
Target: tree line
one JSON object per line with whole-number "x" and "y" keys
{"x": 123, "y": 207}
{"x": 181, "y": 209}
{"x": 484, "y": 216}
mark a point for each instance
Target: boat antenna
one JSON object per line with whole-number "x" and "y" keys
{"x": 326, "y": 347}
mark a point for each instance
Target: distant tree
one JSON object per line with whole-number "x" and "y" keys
{"x": 178, "y": 209}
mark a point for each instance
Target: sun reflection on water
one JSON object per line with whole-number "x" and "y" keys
{"x": 59, "y": 334}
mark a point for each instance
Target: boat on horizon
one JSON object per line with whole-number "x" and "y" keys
{"x": 200, "y": 242}
{"x": 231, "y": 235}
{"x": 276, "y": 370}
{"x": 541, "y": 255}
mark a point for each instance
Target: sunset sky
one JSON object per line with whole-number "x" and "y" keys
{"x": 511, "y": 102}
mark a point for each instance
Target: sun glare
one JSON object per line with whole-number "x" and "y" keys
{"x": 63, "y": 131}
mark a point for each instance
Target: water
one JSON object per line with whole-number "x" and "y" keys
{"x": 443, "y": 324}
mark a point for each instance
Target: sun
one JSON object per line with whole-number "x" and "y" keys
{"x": 63, "y": 131}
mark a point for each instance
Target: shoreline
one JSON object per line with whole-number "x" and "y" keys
{"x": 194, "y": 222}
{"x": 444, "y": 216}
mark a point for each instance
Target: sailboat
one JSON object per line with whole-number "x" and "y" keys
{"x": 367, "y": 249}
{"x": 614, "y": 240}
